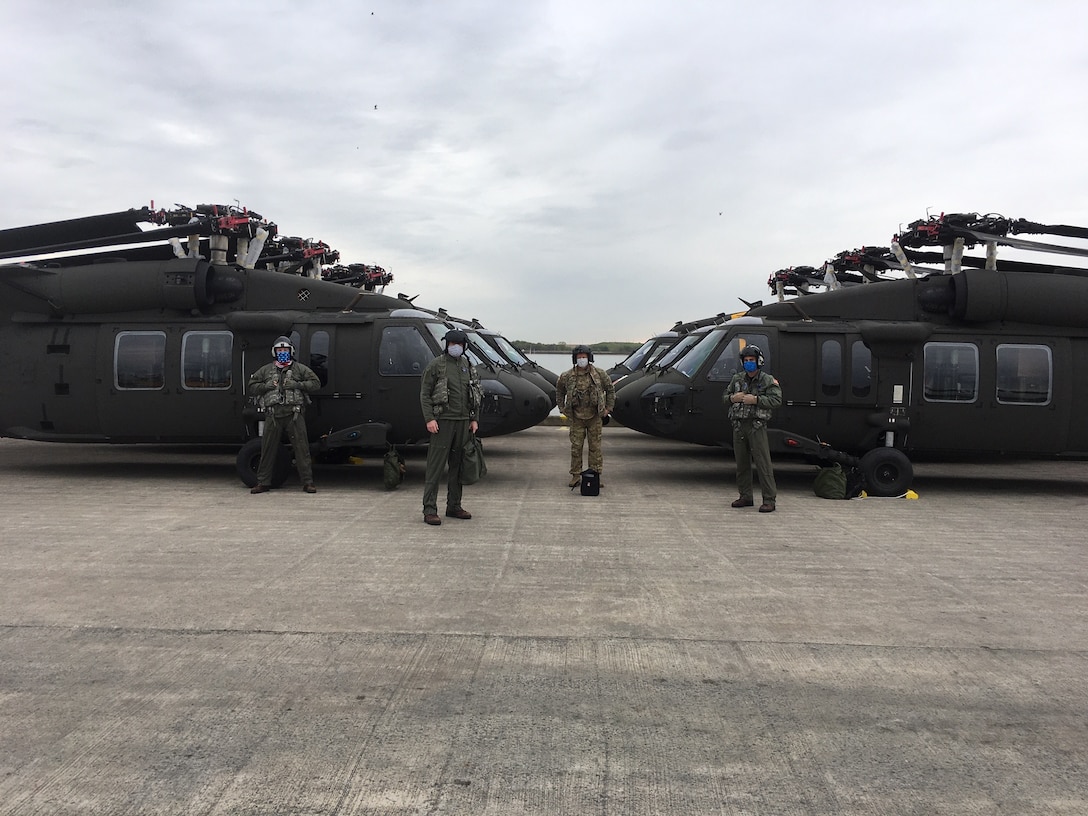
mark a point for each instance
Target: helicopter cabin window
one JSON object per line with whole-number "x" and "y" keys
{"x": 831, "y": 368}
{"x": 206, "y": 360}
{"x": 319, "y": 356}
{"x": 1024, "y": 374}
{"x": 728, "y": 362}
{"x": 861, "y": 369}
{"x": 951, "y": 372}
{"x": 403, "y": 352}
{"x": 139, "y": 360}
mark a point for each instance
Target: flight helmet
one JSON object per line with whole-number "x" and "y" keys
{"x": 752, "y": 351}
{"x": 580, "y": 350}
{"x": 283, "y": 342}
{"x": 455, "y": 336}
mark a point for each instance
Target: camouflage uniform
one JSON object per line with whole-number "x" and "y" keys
{"x": 585, "y": 395}
{"x": 750, "y": 430}
{"x": 450, "y": 393}
{"x": 282, "y": 393}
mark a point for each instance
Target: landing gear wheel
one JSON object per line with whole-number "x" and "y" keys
{"x": 888, "y": 472}
{"x": 249, "y": 459}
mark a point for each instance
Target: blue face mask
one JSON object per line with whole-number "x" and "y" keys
{"x": 750, "y": 366}
{"x": 283, "y": 356}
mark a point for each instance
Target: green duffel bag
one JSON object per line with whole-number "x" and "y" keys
{"x": 473, "y": 466}
{"x": 393, "y": 469}
{"x": 830, "y": 482}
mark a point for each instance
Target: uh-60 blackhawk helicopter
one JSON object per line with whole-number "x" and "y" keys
{"x": 881, "y": 359}
{"x": 144, "y": 326}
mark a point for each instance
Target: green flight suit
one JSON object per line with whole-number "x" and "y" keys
{"x": 750, "y": 445}
{"x": 450, "y": 393}
{"x": 282, "y": 393}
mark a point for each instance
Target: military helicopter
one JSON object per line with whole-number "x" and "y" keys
{"x": 134, "y": 327}
{"x": 982, "y": 356}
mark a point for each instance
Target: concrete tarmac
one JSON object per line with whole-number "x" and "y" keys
{"x": 170, "y": 644}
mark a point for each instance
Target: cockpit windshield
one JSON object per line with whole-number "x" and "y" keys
{"x": 483, "y": 347}
{"x": 694, "y": 359}
{"x": 635, "y": 358}
{"x": 510, "y": 350}
{"x": 678, "y": 350}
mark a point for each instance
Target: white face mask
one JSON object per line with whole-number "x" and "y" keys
{"x": 582, "y": 362}
{"x": 455, "y": 350}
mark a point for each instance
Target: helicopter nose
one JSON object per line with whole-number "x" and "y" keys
{"x": 510, "y": 404}
{"x": 531, "y": 402}
{"x": 629, "y": 411}
{"x": 541, "y": 382}
{"x": 664, "y": 405}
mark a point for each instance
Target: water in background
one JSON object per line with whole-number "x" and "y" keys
{"x": 557, "y": 363}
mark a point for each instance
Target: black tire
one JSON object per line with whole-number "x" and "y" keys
{"x": 887, "y": 471}
{"x": 249, "y": 459}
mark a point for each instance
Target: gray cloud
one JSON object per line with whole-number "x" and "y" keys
{"x": 560, "y": 170}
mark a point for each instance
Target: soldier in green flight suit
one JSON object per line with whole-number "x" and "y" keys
{"x": 586, "y": 396}
{"x": 450, "y": 396}
{"x": 752, "y": 395}
{"x": 281, "y": 389}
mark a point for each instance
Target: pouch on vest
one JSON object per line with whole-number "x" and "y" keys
{"x": 591, "y": 482}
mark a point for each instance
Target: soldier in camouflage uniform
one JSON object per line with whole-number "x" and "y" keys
{"x": 281, "y": 389}
{"x": 450, "y": 396}
{"x": 752, "y": 395}
{"x": 586, "y": 396}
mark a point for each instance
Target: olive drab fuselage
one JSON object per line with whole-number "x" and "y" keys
{"x": 171, "y": 365}
{"x": 981, "y": 362}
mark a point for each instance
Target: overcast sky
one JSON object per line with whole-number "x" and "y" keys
{"x": 574, "y": 170}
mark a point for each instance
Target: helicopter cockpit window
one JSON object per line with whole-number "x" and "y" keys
{"x": 861, "y": 369}
{"x": 403, "y": 352}
{"x": 484, "y": 348}
{"x": 678, "y": 350}
{"x": 512, "y": 352}
{"x": 951, "y": 372}
{"x": 831, "y": 368}
{"x": 206, "y": 360}
{"x": 319, "y": 356}
{"x": 728, "y": 362}
{"x": 139, "y": 360}
{"x": 635, "y": 358}
{"x": 1024, "y": 374}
